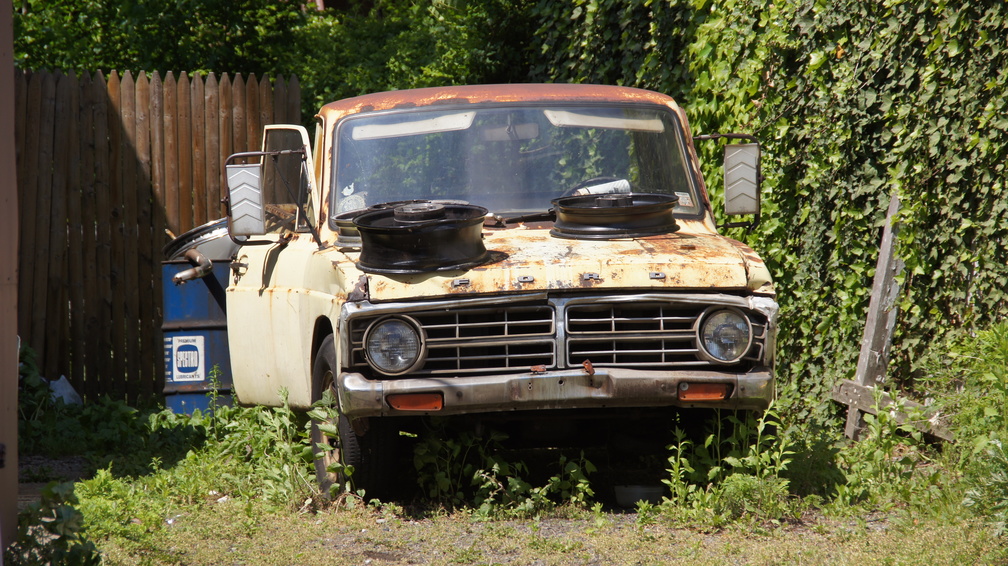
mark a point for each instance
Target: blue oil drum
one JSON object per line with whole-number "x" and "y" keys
{"x": 197, "y": 359}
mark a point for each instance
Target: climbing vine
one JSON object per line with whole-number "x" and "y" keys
{"x": 854, "y": 100}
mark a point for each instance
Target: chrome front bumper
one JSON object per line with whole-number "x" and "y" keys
{"x": 565, "y": 389}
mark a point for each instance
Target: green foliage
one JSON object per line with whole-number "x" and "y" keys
{"x": 463, "y": 468}
{"x": 736, "y": 471}
{"x": 50, "y": 532}
{"x": 403, "y": 44}
{"x": 968, "y": 373}
{"x": 324, "y": 414}
{"x": 988, "y": 492}
{"x": 105, "y": 431}
{"x": 273, "y": 443}
{"x": 335, "y": 54}
{"x": 880, "y": 466}
{"x": 248, "y": 36}
{"x": 853, "y": 101}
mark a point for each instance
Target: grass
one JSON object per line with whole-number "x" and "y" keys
{"x": 225, "y": 533}
{"x": 237, "y": 488}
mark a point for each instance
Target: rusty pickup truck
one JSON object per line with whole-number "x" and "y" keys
{"x": 501, "y": 252}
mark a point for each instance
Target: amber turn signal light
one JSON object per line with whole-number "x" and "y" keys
{"x": 704, "y": 391}
{"x": 416, "y": 401}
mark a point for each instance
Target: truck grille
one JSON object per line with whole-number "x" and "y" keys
{"x": 558, "y": 333}
{"x": 478, "y": 340}
{"x": 638, "y": 335}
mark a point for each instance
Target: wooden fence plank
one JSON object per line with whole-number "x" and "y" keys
{"x": 28, "y": 189}
{"x": 89, "y": 238}
{"x": 211, "y": 125}
{"x": 157, "y": 117}
{"x": 171, "y": 184}
{"x": 57, "y": 318}
{"x": 20, "y": 110}
{"x": 881, "y": 320}
{"x": 147, "y": 255}
{"x": 226, "y": 133}
{"x": 103, "y": 229}
{"x": 41, "y": 220}
{"x": 196, "y": 92}
{"x": 75, "y": 235}
{"x": 130, "y": 232}
{"x": 118, "y": 266}
{"x": 862, "y": 398}
{"x": 238, "y": 113}
{"x": 279, "y": 96}
{"x": 293, "y": 115}
{"x": 253, "y": 125}
{"x": 265, "y": 103}
{"x": 159, "y": 222}
{"x": 185, "y": 154}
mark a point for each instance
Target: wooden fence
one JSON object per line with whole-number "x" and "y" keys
{"x": 107, "y": 169}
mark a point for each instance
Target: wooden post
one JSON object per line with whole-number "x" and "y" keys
{"x": 881, "y": 319}
{"x": 8, "y": 291}
{"x": 860, "y": 395}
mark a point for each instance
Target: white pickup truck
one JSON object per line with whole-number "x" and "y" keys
{"x": 502, "y": 252}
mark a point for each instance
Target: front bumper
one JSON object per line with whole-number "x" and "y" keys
{"x": 565, "y": 389}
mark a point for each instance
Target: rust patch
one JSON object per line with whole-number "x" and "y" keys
{"x": 538, "y": 369}
{"x": 490, "y": 94}
{"x": 360, "y": 291}
{"x": 588, "y": 367}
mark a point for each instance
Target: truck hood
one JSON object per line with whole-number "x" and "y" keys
{"x": 525, "y": 259}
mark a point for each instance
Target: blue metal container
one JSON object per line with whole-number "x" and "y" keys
{"x": 197, "y": 359}
{"x": 195, "y": 339}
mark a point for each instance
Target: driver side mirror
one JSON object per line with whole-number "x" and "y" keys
{"x": 245, "y": 195}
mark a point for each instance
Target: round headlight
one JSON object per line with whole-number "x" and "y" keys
{"x": 393, "y": 345}
{"x": 725, "y": 335}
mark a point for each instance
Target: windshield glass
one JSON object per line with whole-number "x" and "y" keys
{"x": 511, "y": 161}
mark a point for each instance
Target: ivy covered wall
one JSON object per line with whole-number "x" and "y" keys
{"x": 853, "y": 100}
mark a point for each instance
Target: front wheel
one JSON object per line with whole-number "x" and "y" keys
{"x": 356, "y": 445}
{"x": 329, "y": 450}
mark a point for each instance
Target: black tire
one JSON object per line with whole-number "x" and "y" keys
{"x": 346, "y": 448}
{"x": 366, "y": 451}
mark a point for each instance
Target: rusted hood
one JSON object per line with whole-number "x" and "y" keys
{"x": 528, "y": 259}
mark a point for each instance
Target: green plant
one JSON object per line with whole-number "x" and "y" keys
{"x": 324, "y": 414}
{"x": 51, "y": 532}
{"x": 463, "y": 468}
{"x": 735, "y": 471}
{"x": 274, "y": 442}
{"x": 879, "y": 466}
{"x": 680, "y": 469}
{"x": 988, "y": 491}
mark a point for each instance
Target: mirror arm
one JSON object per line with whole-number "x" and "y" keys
{"x": 746, "y": 137}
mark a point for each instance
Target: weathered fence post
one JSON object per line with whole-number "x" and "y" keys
{"x": 881, "y": 321}
{"x": 860, "y": 394}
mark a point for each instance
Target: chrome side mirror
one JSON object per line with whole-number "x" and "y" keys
{"x": 742, "y": 179}
{"x": 246, "y": 199}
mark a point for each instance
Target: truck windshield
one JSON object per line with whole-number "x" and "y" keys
{"x": 510, "y": 160}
